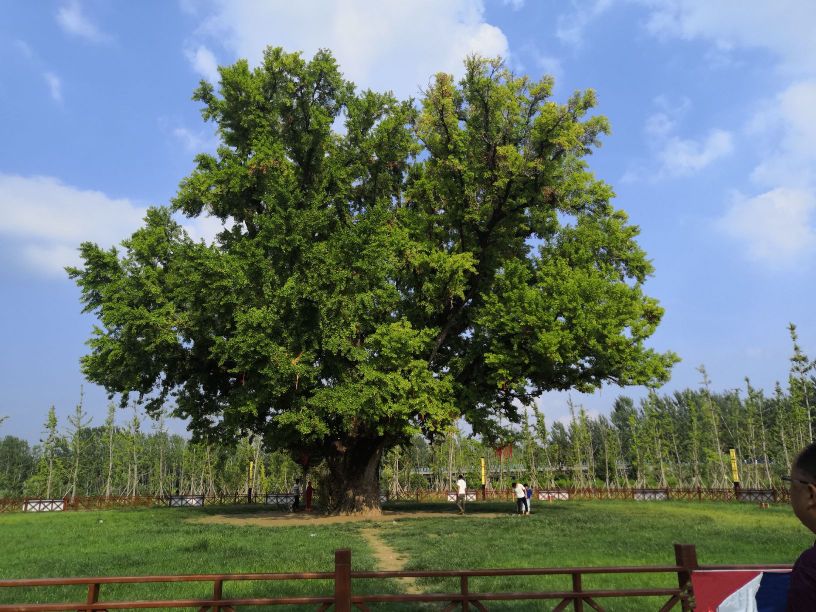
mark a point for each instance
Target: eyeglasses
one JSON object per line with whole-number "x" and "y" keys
{"x": 804, "y": 482}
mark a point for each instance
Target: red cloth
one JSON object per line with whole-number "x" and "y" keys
{"x": 711, "y": 587}
{"x": 309, "y": 493}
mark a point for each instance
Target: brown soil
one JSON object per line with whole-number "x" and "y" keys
{"x": 291, "y": 519}
{"x": 388, "y": 559}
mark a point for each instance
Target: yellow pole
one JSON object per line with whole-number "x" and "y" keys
{"x": 250, "y": 474}
{"x": 734, "y": 472}
{"x": 484, "y": 493}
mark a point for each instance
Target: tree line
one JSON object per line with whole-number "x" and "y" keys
{"x": 681, "y": 439}
{"x": 135, "y": 458}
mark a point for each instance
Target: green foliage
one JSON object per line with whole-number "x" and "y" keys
{"x": 17, "y": 463}
{"x": 378, "y": 282}
{"x": 50, "y": 476}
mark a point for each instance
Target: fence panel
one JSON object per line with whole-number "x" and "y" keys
{"x": 285, "y": 500}
{"x": 342, "y": 597}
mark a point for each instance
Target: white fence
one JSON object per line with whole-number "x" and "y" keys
{"x": 43, "y": 505}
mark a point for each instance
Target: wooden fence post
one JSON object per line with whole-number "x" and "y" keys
{"x": 578, "y": 602}
{"x": 685, "y": 556}
{"x": 93, "y": 593}
{"x": 342, "y": 580}
{"x": 218, "y": 593}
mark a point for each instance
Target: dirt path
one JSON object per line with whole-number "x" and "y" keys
{"x": 388, "y": 559}
{"x": 290, "y": 519}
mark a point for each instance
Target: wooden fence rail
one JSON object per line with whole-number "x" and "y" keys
{"x": 342, "y": 598}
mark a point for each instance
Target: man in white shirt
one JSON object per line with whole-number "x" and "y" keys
{"x": 296, "y": 493}
{"x": 521, "y": 497}
{"x": 461, "y": 492}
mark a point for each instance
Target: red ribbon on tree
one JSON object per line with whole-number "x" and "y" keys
{"x": 504, "y": 452}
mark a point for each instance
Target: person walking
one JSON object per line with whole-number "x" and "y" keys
{"x": 309, "y": 494}
{"x": 521, "y": 497}
{"x": 529, "y": 497}
{"x": 296, "y": 493}
{"x": 461, "y": 493}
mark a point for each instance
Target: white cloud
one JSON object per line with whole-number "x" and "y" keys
{"x": 394, "y": 46}
{"x": 514, "y": 4}
{"x": 204, "y": 63}
{"x": 550, "y": 65}
{"x": 786, "y": 127}
{"x": 205, "y": 228}
{"x": 54, "y": 86}
{"x": 50, "y": 259}
{"x": 195, "y": 142}
{"x": 73, "y": 21}
{"x": 784, "y": 27}
{"x": 775, "y": 227}
{"x": 782, "y": 132}
{"x": 189, "y": 7}
{"x": 681, "y": 157}
{"x": 660, "y": 125}
{"x": 48, "y": 220}
{"x": 677, "y": 156}
{"x": 570, "y": 26}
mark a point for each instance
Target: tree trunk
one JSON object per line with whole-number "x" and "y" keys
{"x": 74, "y": 478}
{"x": 50, "y": 476}
{"x": 110, "y": 465}
{"x": 353, "y": 483}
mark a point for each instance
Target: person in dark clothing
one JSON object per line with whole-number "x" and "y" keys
{"x": 802, "y": 591}
{"x": 309, "y": 495}
{"x": 296, "y": 494}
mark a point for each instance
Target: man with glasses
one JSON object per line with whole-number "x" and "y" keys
{"x": 802, "y": 481}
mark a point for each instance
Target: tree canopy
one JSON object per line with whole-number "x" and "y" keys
{"x": 386, "y": 267}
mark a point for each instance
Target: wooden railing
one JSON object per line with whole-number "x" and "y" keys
{"x": 342, "y": 598}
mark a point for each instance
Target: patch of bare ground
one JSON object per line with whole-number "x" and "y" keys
{"x": 293, "y": 519}
{"x": 388, "y": 559}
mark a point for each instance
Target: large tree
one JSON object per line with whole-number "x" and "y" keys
{"x": 386, "y": 268}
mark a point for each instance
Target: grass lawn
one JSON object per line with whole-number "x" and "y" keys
{"x": 161, "y": 541}
{"x": 594, "y": 533}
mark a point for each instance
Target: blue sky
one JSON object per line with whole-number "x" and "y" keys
{"x": 712, "y": 105}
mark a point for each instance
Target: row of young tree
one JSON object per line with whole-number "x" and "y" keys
{"x": 680, "y": 440}
{"x": 135, "y": 458}
{"x": 672, "y": 440}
